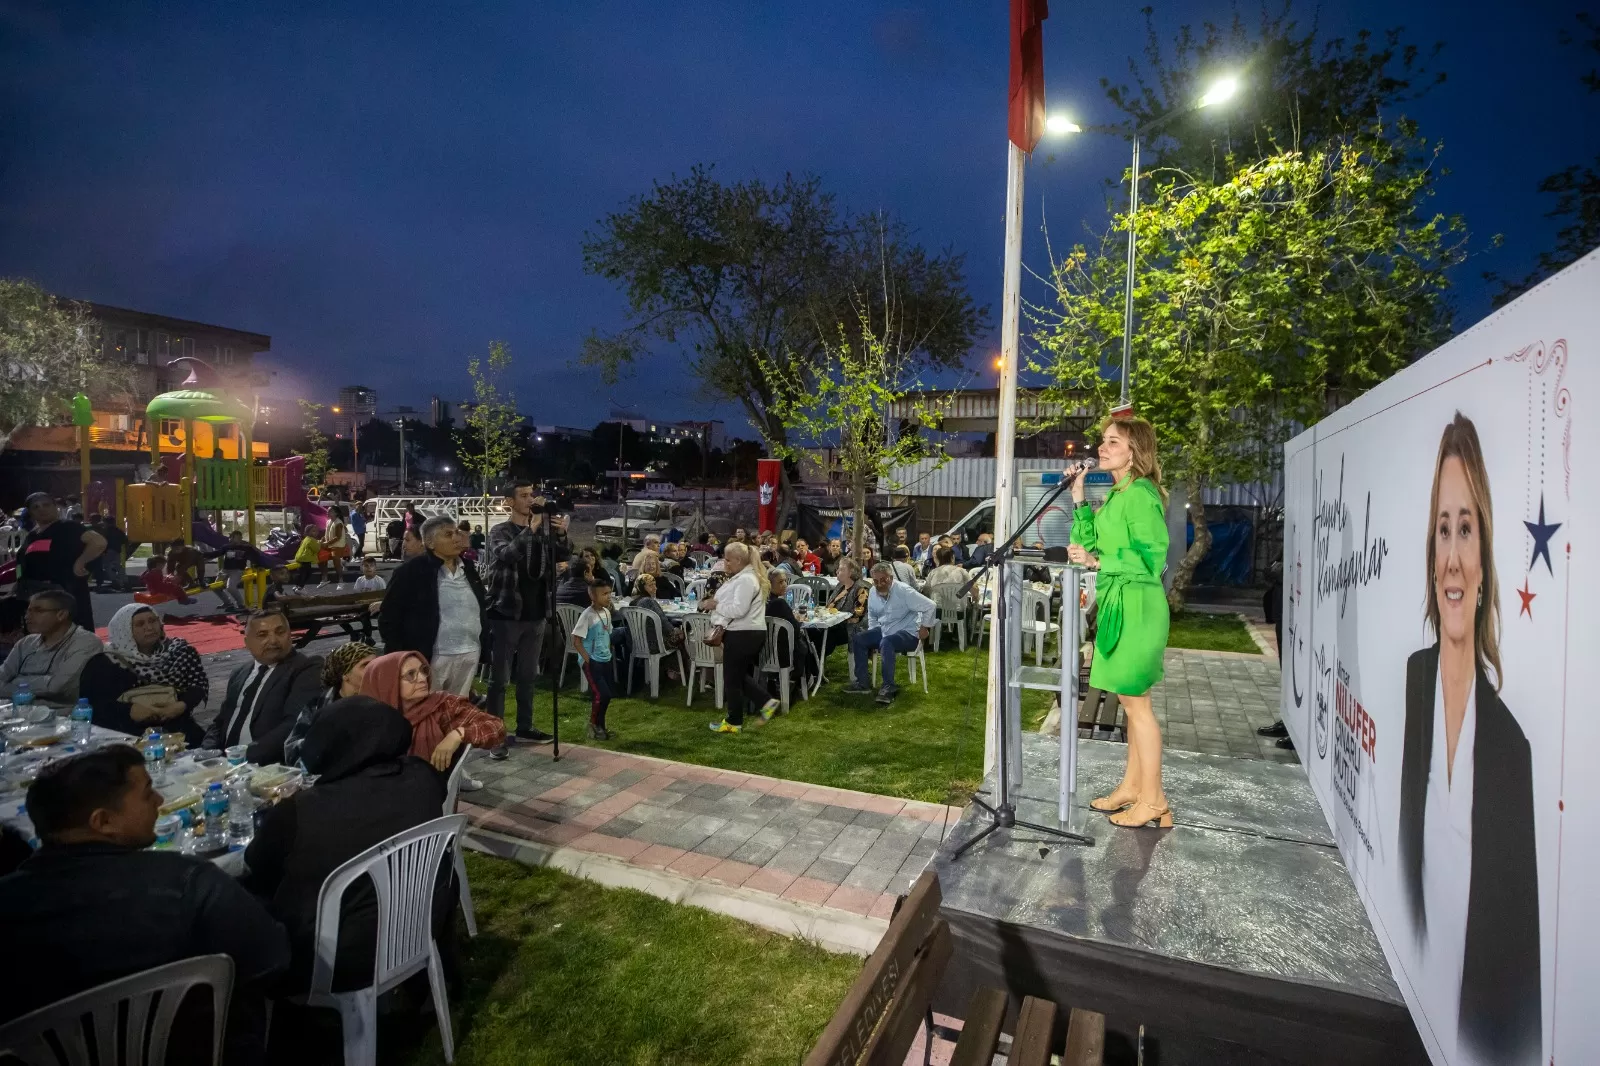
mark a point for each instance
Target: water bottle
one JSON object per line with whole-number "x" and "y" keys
{"x": 155, "y": 755}
{"x": 22, "y": 700}
{"x": 216, "y": 811}
{"x": 241, "y": 815}
{"x": 82, "y": 714}
{"x": 694, "y": 595}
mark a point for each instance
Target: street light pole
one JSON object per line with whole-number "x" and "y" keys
{"x": 1221, "y": 90}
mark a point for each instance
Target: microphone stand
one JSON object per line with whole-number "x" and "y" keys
{"x": 1003, "y": 813}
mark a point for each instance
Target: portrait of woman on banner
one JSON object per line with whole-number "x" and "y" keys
{"x": 1468, "y": 860}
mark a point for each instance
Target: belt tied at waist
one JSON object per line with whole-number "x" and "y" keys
{"x": 1108, "y": 616}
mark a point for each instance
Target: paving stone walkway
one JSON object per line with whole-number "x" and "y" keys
{"x": 825, "y": 847}
{"x": 1213, "y": 701}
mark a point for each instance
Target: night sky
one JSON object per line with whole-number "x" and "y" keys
{"x": 386, "y": 187}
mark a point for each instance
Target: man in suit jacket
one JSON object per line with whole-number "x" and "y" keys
{"x": 265, "y": 695}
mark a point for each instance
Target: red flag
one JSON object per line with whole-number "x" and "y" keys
{"x": 1025, "y": 98}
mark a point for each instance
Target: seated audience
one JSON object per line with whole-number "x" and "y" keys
{"x": 778, "y": 606}
{"x": 158, "y": 582}
{"x": 265, "y": 695}
{"x": 368, "y": 789}
{"x": 898, "y": 619}
{"x": 52, "y": 657}
{"x": 140, "y": 659}
{"x": 903, "y": 570}
{"x": 644, "y": 597}
{"x": 342, "y": 673}
{"x": 808, "y": 560}
{"x": 652, "y": 546}
{"x": 946, "y": 572}
{"x": 985, "y": 545}
{"x": 831, "y": 556}
{"x": 922, "y": 554}
{"x": 851, "y": 597}
{"x": 95, "y": 904}
{"x": 440, "y": 721}
{"x": 574, "y": 587}
{"x": 411, "y": 542}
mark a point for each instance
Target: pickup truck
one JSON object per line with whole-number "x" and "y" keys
{"x": 644, "y": 517}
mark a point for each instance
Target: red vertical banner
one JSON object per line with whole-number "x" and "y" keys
{"x": 768, "y": 471}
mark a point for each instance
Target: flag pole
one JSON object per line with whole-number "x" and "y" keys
{"x": 1005, "y": 435}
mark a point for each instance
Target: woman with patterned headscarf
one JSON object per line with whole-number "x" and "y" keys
{"x": 145, "y": 678}
{"x": 342, "y": 673}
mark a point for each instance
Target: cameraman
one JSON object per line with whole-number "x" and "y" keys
{"x": 519, "y": 586}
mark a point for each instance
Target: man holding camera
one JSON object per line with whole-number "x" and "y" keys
{"x": 520, "y": 582}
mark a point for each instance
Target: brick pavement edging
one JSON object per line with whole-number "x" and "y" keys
{"x": 805, "y": 860}
{"x": 835, "y": 930}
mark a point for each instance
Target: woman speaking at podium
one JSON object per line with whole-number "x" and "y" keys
{"x": 1126, "y": 541}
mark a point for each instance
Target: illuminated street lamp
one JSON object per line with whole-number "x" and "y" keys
{"x": 1220, "y": 91}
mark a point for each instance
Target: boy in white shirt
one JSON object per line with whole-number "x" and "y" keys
{"x": 591, "y": 638}
{"x": 369, "y": 581}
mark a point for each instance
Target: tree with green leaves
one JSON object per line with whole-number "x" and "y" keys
{"x": 1257, "y": 297}
{"x": 49, "y": 350}
{"x": 845, "y": 395}
{"x": 315, "y": 448}
{"x": 727, "y": 270}
{"x": 1577, "y": 192}
{"x": 491, "y": 439}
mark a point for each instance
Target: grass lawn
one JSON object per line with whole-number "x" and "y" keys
{"x": 565, "y": 971}
{"x": 1211, "y": 632}
{"x": 926, "y": 747}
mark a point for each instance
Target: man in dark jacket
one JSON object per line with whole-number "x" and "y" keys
{"x": 265, "y": 695}
{"x": 93, "y": 905}
{"x": 368, "y": 789}
{"x": 434, "y": 606}
{"x": 519, "y": 587}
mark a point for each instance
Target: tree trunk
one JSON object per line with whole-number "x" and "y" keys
{"x": 1197, "y": 550}
{"x": 858, "y": 499}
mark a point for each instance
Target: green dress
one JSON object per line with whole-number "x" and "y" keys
{"x": 1129, "y": 534}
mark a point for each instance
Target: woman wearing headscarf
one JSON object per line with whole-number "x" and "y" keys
{"x": 342, "y": 673}
{"x": 160, "y": 676}
{"x": 440, "y": 721}
{"x": 368, "y": 789}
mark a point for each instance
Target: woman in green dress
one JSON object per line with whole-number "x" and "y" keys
{"x": 1126, "y": 541}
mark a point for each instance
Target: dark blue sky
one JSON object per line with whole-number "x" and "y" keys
{"x": 385, "y": 187}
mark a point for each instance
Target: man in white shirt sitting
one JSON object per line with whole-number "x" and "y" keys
{"x": 898, "y": 620}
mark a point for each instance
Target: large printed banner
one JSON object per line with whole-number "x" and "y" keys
{"x": 1441, "y": 672}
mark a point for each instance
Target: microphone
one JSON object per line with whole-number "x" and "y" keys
{"x": 1080, "y": 467}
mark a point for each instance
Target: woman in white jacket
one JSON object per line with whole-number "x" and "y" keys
{"x": 739, "y": 609}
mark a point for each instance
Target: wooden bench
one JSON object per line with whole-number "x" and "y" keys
{"x": 350, "y": 611}
{"x": 879, "y": 1018}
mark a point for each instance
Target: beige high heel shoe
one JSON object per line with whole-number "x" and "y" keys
{"x": 1141, "y": 814}
{"x": 1109, "y": 804}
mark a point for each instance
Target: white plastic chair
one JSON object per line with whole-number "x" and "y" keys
{"x": 405, "y": 871}
{"x": 569, "y": 614}
{"x": 452, "y": 791}
{"x": 703, "y": 658}
{"x": 779, "y": 634}
{"x": 914, "y": 658}
{"x": 646, "y": 630}
{"x": 1036, "y": 621}
{"x": 701, "y": 560}
{"x": 800, "y": 596}
{"x": 953, "y": 612}
{"x": 119, "y": 1016}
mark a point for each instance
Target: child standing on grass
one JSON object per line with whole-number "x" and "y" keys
{"x": 591, "y": 638}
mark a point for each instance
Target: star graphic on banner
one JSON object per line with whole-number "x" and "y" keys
{"x": 1542, "y": 533}
{"x": 1527, "y": 599}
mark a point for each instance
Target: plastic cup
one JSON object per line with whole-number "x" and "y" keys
{"x": 168, "y": 826}
{"x": 236, "y": 754}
